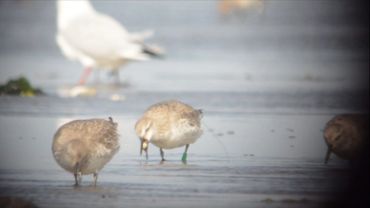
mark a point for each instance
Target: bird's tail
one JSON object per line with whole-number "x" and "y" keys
{"x": 153, "y": 51}
{"x": 150, "y": 50}
{"x": 142, "y": 52}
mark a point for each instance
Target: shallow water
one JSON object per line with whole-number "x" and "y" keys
{"x": 252, "y": 160}
{"x": 267, "y": 84}
{"x": 204, "y": 182}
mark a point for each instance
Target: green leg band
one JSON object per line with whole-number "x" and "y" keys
{"x": 184, "y": 157}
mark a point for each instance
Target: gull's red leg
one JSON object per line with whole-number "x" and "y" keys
{"x": 85, "y": 75}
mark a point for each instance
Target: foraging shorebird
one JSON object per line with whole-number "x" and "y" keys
{"x": 169, "y": 125}
{"x": 83, "y": 147}
{"x": 346, "y": 136}
{"x": 97, "y": 40}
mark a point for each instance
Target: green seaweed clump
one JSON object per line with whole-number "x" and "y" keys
{"x": 20, "y": 87}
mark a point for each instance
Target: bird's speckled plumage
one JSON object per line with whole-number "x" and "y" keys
{"x": 346, "y": 135}
{"x": 170, "y": 124}
{"x": 85, "y": 146}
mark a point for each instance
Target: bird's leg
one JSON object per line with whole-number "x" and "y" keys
{"x": 162, "y": 154}
{"x": 95, "y": 178}
{"x": 85, "y": 75}
{"x": 184, "y": 156}
{"x": 76, "y": 180}
{"x": 115, "y": 74}
{"x": 327, "y": 157}
{"x": 77, "y": 174}
{"x": 117, "y": 81}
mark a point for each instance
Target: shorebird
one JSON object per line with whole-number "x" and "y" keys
{"x": 227, "y": 7}
{"x": 97, "y": 40}
{"x": 83, "y": 147}
{"x": 169, "y": 125}
{"x": 346, "y": 136}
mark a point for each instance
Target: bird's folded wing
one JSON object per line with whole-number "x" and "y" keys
{"x": 99, "y": 36}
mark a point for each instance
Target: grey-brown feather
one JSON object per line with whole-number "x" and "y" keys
{"x": 97, "y": 130}
{"x": 347, "y": 135}
{"x": 82, "y": 142}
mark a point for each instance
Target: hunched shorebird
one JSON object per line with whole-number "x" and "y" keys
{"x": 168, "y": 125}
{"x": 83, "y": 147}
{"x": 97, "y": 40}
{"x": 346, "y": 136}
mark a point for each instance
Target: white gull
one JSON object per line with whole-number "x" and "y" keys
{"x": 97, "y": 40}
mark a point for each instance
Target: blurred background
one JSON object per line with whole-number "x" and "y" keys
{"x": 268, "y": 76}
{"x": 286, "y": 45}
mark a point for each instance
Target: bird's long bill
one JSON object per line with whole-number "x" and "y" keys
{"x": 327, "y": 155}
{"x": 144, "y": 146}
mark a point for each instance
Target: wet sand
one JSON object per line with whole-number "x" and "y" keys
{"x": 250, "y": 160}
{"x": 267, "y": 86}
{"x": 207, "y": 181}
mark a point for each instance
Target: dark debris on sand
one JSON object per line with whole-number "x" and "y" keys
{"x": 19, "y": 87}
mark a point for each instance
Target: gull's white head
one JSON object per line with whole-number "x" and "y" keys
{"x": 67, "y": 10}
